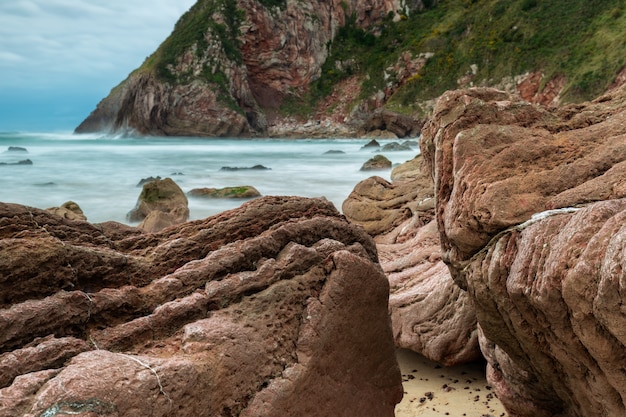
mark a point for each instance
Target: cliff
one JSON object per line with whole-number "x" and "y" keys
{"x": 227, "y": 64}
{"x": 288, "y": 68}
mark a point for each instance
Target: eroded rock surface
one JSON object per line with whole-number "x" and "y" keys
{"x": 530, "y": 209}
{"x": 430, "y": 314}
{"x": 276, "y": 308}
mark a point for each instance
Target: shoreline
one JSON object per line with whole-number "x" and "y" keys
{"x": 431, "y": 390}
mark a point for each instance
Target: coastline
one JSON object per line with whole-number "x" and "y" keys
{"x": 431, "y": 390}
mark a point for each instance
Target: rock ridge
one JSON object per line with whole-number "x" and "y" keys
{"x": 242, "y": 313}
{"x": 529, "y": 208}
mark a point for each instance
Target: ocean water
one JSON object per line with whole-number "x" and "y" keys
{"x": 101, "y": 173}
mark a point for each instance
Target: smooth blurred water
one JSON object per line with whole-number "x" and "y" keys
{"x": 101, "y": 173}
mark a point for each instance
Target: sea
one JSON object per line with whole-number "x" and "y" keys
{"x": 102, "y": 173}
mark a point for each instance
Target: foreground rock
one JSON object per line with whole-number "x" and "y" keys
{"x": 430, "y": 314}
{"x": 276, "y": 308}
{"x": 531, "y": 210}
{"x": 161, "y": 204}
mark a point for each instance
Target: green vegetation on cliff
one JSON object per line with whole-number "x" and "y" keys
{"x": 583, "y": 41}
{"x": 220, "y": 17}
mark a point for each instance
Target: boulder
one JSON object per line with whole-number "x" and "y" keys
{"x": 530, "y": 207}
{"x": 278, "y": 307}
{"x": 378, "y": 162}
{"x": 243, "y": 191}
{"x": 69, "y": 210}
{"x": 430, "y": 314}
{"x": 161, "y": 195}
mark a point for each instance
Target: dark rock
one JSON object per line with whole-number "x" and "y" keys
{"x": 396, "y": 147}
{"x": 371, "y": 144}
{"x": 147, "y": 180}
{"x": 379, "y": 162}
{"x": 17, "y": 149}
{"x": 333, "y": 151}
{"x": 22, "y": 162}
{"x": 254, "y": 168}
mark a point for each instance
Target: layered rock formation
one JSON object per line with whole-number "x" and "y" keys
{"x": 430, "y": 314}
{"x": 276, "y": 308}
{"x": 530, "y": 207}
{"x": 242, "y": 67}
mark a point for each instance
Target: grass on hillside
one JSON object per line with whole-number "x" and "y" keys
{"x": 582, "y": 40}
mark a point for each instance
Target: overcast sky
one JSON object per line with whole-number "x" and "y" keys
{"x": 59, "y": 58}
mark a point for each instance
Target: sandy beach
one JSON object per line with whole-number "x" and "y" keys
{"x": 431, "y": 390}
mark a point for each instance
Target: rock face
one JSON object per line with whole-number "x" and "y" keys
{"x": 430, "y": 314}
{"x": 243, "y": 66}
{"x": 530, "y": 209}
{"x": 276, "y": 308}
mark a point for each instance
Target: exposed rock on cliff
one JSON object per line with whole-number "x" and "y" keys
{"x": 530, "y": 209}
{"x": 430, "y": 314}
{"x": 276, "y": 308}
{"x": 247, "y": 58}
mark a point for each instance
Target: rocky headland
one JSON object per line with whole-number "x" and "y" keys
{"x": 276, "y": 308}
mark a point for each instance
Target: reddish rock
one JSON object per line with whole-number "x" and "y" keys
{"x": 430, "y": 314}
{"x": 530, "y": 209}
{"x": 278, "y": 307}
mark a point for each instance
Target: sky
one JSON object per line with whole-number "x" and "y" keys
{"x": 59, "y": 58}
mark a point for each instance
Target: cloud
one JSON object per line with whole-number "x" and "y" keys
{"x": 74, "y": 51}
{"x": 44, "y": 42}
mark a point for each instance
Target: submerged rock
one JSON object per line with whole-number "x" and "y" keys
{"x": 243, "y": 191}
{"x": 18, "y": 149}
{"x": 254, "y": 168}
{"x": 531, "y": 207}
{"x": 276, "y": 308}
{"x": 22, "y": 162}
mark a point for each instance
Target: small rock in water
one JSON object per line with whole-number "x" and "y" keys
{"x": 244, "y": 191}
{"x": 16, "y": 149}
{"x": 147, "y": 180}
{"x": 255, "y": 167}
{"x": 333, "y": 151}
{"x": 23, "y": 162}
{"x": 376, "y": 163}
{"x": 371, "y": 144}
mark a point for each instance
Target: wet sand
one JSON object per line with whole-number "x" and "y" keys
{"x": 431, "y": 390}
